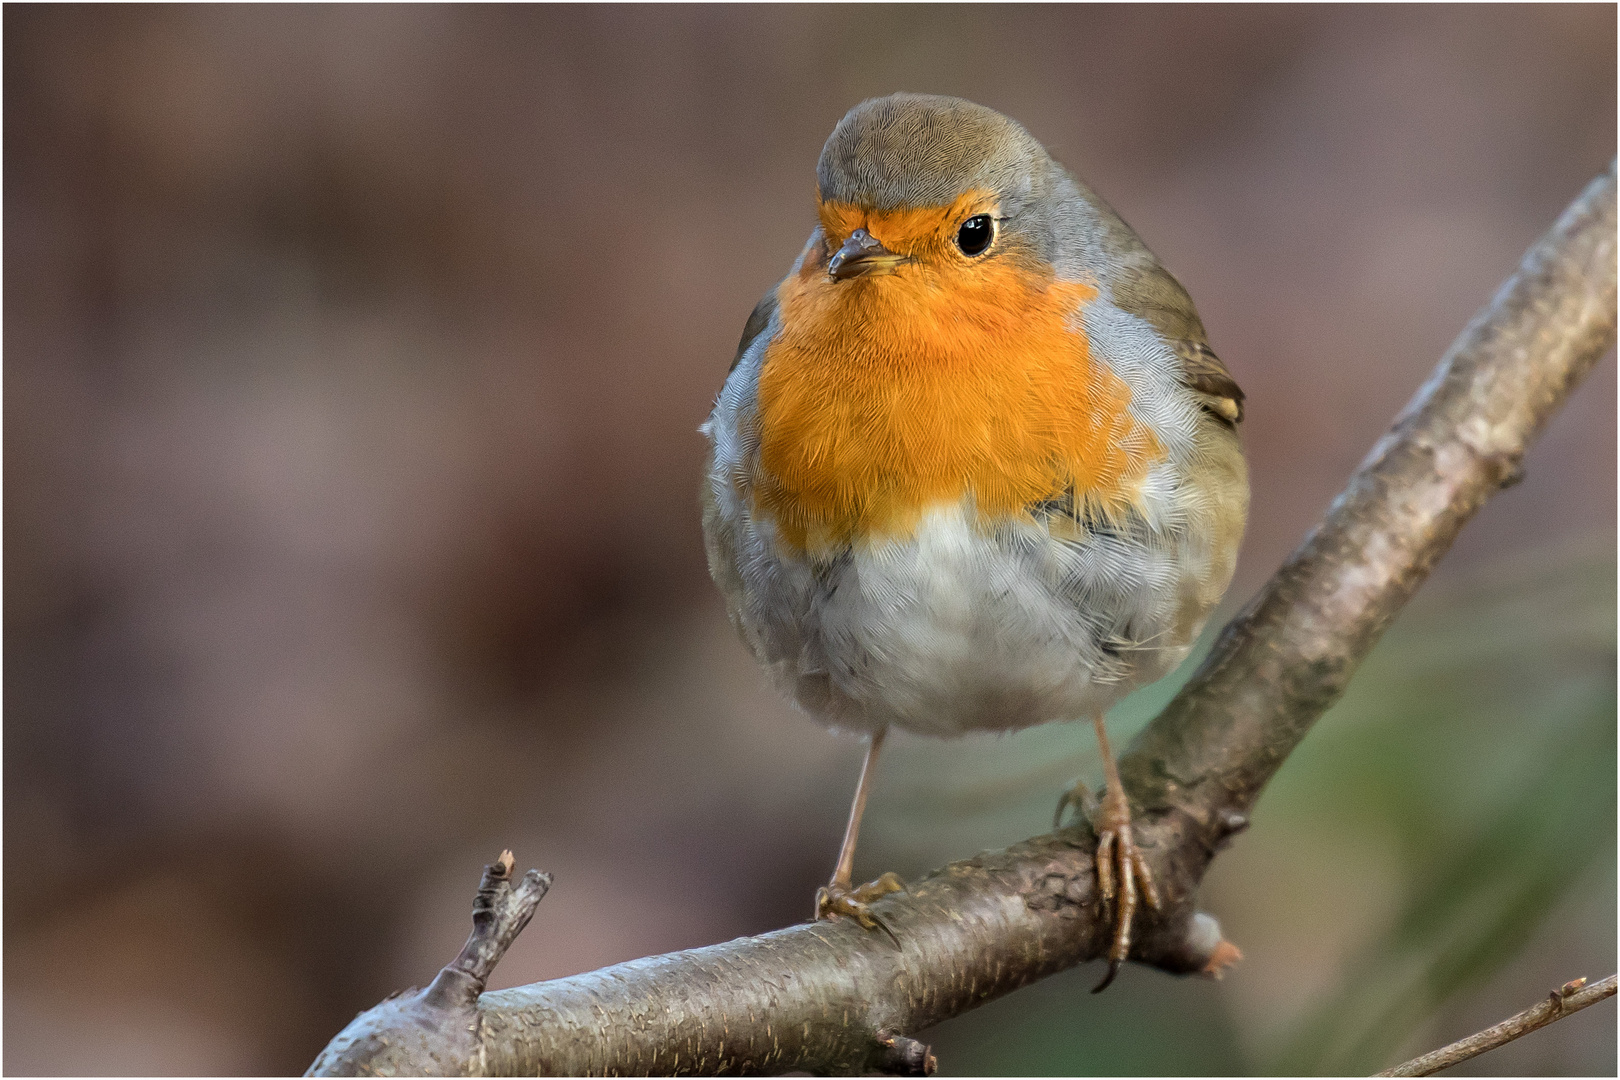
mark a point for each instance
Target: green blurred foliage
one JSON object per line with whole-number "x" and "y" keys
{"x": 1414, "y": 842}
{"x": 1482, "y": 737}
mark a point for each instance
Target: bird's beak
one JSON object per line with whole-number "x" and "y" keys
{"x": 862, "y": 255}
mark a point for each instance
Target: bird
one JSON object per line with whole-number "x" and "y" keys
{"x": 975, "y": 466}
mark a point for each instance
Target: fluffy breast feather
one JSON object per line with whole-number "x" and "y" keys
{"x": 966, "y": 621}
{"x": 879, "y": 399}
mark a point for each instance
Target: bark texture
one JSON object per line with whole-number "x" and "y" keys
{"x": 834, "y": 998}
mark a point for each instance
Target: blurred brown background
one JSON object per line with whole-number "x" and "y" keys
{"x": 354, "y": 360}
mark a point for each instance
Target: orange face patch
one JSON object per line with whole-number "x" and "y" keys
{"x": 951, "y": 378}
{"x": 923, "y": 232}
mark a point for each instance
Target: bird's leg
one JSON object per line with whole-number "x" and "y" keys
{"x": 837, "y": 897}
{"x": 1121, "y": 869}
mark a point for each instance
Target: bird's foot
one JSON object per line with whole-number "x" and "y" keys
{"x": 1122, "y": 875}
{"x": 835, "y": 899}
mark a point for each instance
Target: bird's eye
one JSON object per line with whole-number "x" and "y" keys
{"x": 975, "y": 234}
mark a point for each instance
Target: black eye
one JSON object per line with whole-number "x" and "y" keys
{"x": 975, "y": 234}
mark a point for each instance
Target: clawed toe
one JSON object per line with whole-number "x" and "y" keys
{"x": 1122, "y": 874}
{"x": 1081, "y": 798}
{"x": 833, "y": 900}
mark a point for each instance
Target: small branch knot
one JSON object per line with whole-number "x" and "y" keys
{"x": 902, "y": 1056}
{"x": 1228, "y": 823}
{"x": 1509, "y": 470}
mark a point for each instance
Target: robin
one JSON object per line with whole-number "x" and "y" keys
{"x": 974, "y": 467}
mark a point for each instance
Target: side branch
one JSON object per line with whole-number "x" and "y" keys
{"x": 833, "y": 998}
{"x": 437, "y": 1031}
{"x": 1570, "y": 998}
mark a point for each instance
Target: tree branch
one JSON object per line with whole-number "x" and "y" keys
{"x": 833, "y": 998}
{"x": 1572, "y": 997}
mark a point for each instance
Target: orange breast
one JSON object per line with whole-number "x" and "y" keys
{"x": 885, "y": 396}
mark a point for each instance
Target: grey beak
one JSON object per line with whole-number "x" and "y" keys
{"x": 861, "y": 255}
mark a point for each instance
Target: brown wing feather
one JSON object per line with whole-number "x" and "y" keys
{"x": 1147, "y": 290}
{"x": 758, "y": 320}
{"x": 1202, "y": 370}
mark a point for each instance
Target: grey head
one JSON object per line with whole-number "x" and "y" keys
{"x": 915, "y": 150}
{"x": 925, "y": 150}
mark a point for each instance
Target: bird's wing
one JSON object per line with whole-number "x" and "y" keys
{"x": 758, "y": 320}
{"x": 1147, "y": 290}
{"x": 1202, "y": 370}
